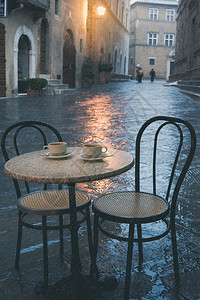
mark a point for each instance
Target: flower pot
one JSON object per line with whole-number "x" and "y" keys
{"x": 33, "y": 93}
{"x": 107, "y": 77}
{"x": 102, "y": 77}
{"x": 42, "y": 92}
{"x": 86, "y": 83}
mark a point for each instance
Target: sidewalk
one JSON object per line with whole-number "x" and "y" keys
{"x": 114, "y": 114}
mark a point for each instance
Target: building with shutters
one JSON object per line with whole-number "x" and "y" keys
{"x": 50, "y": 39}
{"x": 152, "y": 36}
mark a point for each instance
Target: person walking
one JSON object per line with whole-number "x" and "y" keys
{"x": 140, "y": 74}
{"x": 152, "y": 73}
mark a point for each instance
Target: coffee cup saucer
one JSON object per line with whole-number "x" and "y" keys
{"x": 95, "y": 158}
{"x": 65, "y": 155}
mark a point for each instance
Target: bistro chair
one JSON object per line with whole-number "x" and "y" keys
{"x": 173, "y": 143}
{"x": 29, "y": 136}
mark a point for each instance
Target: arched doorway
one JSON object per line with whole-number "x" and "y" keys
{"x": 23, "y": 62}
{"x": 69, "y": 59}
{"x": 44, "y": 49}
{"x": 125, "y": 65}
{"x": 27, "y": 37}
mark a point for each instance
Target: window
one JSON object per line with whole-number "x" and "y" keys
{"x": 57, "y": 7}
{"x": 81, "y": 45}
{"x": 109, "y": 36}
{"x": 117, "y": 5}
{"x": 3, "y": 5}
{"x": 152, "y": 61}
{"x": 152, "y": 39}
{"x": 132, "y": 39}
{"x": 132, "y": 14}
{"x": 127, "y": 20}
{"x": 169, "y": 40}
{"x": 153, "y": 14}
{"x": 122, "y": 18}
{"x": 170, "y": 15}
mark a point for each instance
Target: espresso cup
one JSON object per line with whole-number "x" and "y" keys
{"x": 93, "y": 150}
{"x": 56, "y": 148}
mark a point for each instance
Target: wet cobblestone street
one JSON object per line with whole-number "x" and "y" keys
{"x": 111, "y": 114}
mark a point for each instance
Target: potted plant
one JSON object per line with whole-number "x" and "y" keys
{"x": 36, "y": 86}
{"x": 88, "y": 74}
{"x": 105, "y": 69}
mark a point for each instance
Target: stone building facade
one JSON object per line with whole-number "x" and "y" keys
{"x": 187, "y": 58}
{"x": 49, "y": 38}
{"x": 110, "y": 34}
{"x": 152, "y": 36}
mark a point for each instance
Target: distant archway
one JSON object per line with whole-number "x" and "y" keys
{"x": 120, "y": 64}
{"x": 69, "y": 59}
{"x": 125, "y": 65}
{"x": 115, "y": 61}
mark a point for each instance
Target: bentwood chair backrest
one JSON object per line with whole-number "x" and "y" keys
{"x": 179, "y": 130}
{"x": 25, "y": 137}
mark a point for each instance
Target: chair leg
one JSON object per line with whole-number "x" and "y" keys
{"x": 175, "y": 255}
{"x": 61, "y": 235}
{"x": 129, "y": 261}
{"x": 139, "y": 232}
{"x": 19, "y": 240}
{"x": 45, "y": 250}
{"x": 94, "y": 268}
{"x": 89, "y": 231}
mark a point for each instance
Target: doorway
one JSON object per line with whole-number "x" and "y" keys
{"x": 23, "y": 63}
{"x": 69, "y": 59}
{"x": 171, "y": 68}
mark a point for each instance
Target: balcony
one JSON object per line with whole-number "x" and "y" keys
{"x": 37, "y": 7}
{"x": 38, "y": 4}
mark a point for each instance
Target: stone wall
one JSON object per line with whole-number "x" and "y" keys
{"x": 187, "y": 59}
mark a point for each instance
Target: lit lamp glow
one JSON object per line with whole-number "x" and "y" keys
{"x": 101, "y": 10}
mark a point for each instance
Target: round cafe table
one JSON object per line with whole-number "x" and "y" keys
{"x": 37, "y": 167}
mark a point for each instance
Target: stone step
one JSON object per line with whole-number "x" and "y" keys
{"x": 54, "y": 81}
{"x": 59, "y": 86}
{"x": 45, "y": 76}
{"x": 55, "y": 87}
{"x": 192, "y": 88}
{"x": 60, "y": 91}
{"x": 191, "y": 94}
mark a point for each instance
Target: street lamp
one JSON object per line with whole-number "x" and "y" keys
{"x": 101, "y": 10}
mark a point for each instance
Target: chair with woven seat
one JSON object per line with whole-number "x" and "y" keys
{"x": 171, "y": 158}
{"x": 30, "y": 136}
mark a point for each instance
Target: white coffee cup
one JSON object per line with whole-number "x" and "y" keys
{"x": 56, "y": 148}
{"x": 93, "y": 150}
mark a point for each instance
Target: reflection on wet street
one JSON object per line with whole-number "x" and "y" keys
{"x": 110, "y": 114}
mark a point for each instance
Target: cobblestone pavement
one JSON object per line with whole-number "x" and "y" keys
{"x": 111, "y": 114}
